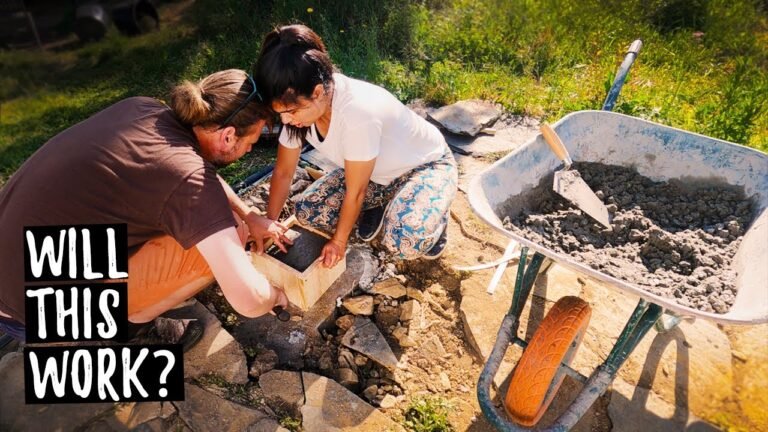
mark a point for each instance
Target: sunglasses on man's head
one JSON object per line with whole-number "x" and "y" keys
{"x": 254, "y": 94}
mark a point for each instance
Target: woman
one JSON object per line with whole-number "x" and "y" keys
{"x": 151, "y": 167}
{"x": 393, "y": 165}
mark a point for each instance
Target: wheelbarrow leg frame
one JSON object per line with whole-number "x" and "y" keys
{"x": 639, "y": 323}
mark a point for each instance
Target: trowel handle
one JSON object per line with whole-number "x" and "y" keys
{"x": 556, "y": 145}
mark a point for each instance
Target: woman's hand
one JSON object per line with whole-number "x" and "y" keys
{"x": 262, "y": 228}
{"x": 333, "y": 252}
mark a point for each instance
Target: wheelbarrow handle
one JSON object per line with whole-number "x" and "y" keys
{"x": 621, "y": 75}
{"x": 556, "y": 144}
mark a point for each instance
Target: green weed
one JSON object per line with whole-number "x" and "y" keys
{"x": 428, "y": 414}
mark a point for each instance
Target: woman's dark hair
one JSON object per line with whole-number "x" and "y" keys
{"x": 218, "y": 98}
{"x": 292, "y": 62}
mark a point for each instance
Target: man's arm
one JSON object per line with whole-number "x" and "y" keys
{"x": 259, "y": 227}
{"x": 238, "y": 205}
{"x": 282, "y": 176}
{"x": 246, "y": 289}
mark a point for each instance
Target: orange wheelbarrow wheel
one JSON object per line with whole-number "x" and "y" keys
{"x": 536, "y": 378}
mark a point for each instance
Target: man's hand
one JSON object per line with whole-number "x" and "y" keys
{"x": 280, "y": 300}
{"x": 262, "y": 228}
{"x": 333, "y": 252}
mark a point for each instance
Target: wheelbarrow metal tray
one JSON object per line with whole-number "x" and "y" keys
{"x": 660, "y": 153}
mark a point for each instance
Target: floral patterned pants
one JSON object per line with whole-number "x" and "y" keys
{"x": 417, "y": 205}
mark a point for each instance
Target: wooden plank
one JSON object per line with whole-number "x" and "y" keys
{"x": 302, "y": 288}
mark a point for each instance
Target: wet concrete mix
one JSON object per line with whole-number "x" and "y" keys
{"x": 673, "y": 239}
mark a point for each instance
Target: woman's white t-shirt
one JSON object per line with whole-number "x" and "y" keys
{"x": 368, "y": 122}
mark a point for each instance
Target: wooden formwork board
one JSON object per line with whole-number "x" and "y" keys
{"x": 303, "y": 288}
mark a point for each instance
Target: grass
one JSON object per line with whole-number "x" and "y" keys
{"x": 428, "y": 414}
{"x": 703, "y": 67}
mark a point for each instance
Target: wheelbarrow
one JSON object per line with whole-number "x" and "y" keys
{"x": 658, "y": 152}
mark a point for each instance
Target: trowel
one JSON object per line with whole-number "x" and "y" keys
{"x": 569, "y": 184}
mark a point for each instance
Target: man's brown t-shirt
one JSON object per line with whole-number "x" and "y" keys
{"x": 132, "y": 163}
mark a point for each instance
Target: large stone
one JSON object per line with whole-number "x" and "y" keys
{"x": 204, "y": 411}
{"x": 750, "y": 360}
{"x": 690, "y": 365}
{"x": 283, "y": 391}
{"x": 345, "y": 322}
{"x": 16, "y": 415}
{"x": 331, "y": 407}
{"x": 482, "y": 314}
{"x": 359, "y": 263}
{"x": 288, "y": 339}
{"x": 467, "y": 117}
{"x": 360, "y": 305}
{"x": 410, "y": 309}
{"x": 217, "y": 352}
{"x": 510, "y": 134}
{"x": 390, "y": 288}
{"x": 365, "y": 338}
{"x": 387, "y": 316}
{"x": 637, "y": 409}
{"x": 130, "y": 415}
{"x": 263, "y": 363}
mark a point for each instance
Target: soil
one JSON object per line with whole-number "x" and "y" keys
{"x": 673, "y": 239}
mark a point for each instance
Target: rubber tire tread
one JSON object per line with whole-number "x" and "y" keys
{"x": 529, "y": 395}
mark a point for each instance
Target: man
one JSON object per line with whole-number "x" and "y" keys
{"x": 151, "y": 167}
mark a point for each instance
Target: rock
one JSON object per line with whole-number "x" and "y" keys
{"x": 217, "y": 352}
{"x": 445, "y": 381}
{"x": 432, "y": 346}
{"x": 370, "y": 392}
{"x": 325, "y": 363}
{"x": 133, "y": 415}
{"x": 390, "y": 288}
{"x": 638, "y": 409}
{"x": 16, "y": 415}
{"x": 415, "y": 294}
{"x": 482, "y": 316}
{"x": 361, "y": 305}
{"x": 348, "y": 378}
{"x": 365, "y": 338}
{"x": 264, "y": 362}
{"x": 266, "y": 425}
{"x": 287, "y": 339}
{"x": 699, "y": 352}
{"x": 360, "y": 264}
{"x": 331, "y": 407}
{"x": 511, "y": 136}
{"x": 389, "y": 401}
{"x": 387, "y": 316}
{"x": 403, "y": 338}
{"x": 467, "y": 117}
{"x": 283, "y": 391}
{"x": 345, "y": 322}
{"x": 410, "y": 309}
{"x": 202, "y": 411}
{"x": 347, "y": 359}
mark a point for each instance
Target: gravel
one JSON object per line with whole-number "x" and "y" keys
{"x": 672, "y": 238}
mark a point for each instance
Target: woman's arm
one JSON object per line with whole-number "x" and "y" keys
{"x": 247, "y": 290}
{"x": 357, "y": 174}
{"x": 282, "y": 176}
